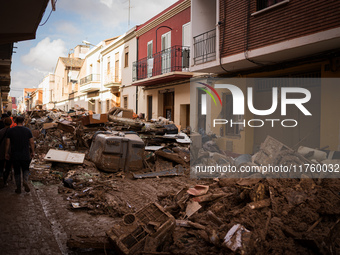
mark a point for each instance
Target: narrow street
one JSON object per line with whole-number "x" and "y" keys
{"x": 173, "y": 127}
{"x": 39, "y": 223}
{"x": 25, "y": 228}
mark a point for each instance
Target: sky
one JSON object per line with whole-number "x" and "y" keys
{"x": 71, "y": 23}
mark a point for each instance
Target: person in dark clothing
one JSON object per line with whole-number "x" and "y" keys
{"x": 3, "y": 162}
{"x": 3, "y": 116}
{"x": 20, "y": 140}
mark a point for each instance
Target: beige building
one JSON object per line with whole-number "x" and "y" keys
{"x": 117, "y": 58}
{"x": 66, "y": 77}
{"x": 48, "y": 89}
{"x": 93, "y": 95}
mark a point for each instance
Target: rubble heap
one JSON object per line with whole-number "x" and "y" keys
{"x": 158, "y": 213}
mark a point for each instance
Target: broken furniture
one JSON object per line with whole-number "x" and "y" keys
{"x": 94, "y": 119}
{"x": 65, "y": 157}
{"x": 115, "y": 151}
{"x": 144, "y": 230}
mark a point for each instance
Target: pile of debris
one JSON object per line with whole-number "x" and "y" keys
{"x": 256, "y": 216}
{"x": 273, "y": 160}
{"x": 255, "y": 213}
{"x": 246, "y": 216}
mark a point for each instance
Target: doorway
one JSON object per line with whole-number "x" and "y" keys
{"x": 149, "y": 108}
{"x": 202, "y": 110}
{"x": 168, "y": 105}
{"x": 184, "y": 115}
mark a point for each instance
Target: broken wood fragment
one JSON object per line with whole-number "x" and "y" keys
{"x": 210, "y": 197}
{"x": 259, "y": 204}
{"x": 87, "y": 242}
{"x": 171, "y": 156}
{"x": 212, "y": 216}
{"x": 267, "y": 225}
{"x": 314, "y": 225}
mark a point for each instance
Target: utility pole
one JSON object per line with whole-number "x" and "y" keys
{"x": 129, "y": 15}
{"x": 129, "y": 9}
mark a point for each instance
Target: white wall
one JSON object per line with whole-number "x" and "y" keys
{"x": 203, "y": 16}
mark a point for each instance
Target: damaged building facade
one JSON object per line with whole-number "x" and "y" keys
{"x": 272, "y": 39}
{"x": 110, "y": 182}
{"x": 148, "y": 69}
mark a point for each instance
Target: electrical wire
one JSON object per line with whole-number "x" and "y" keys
{"x": 222, "y": 45}
{"x": 48, "y": 15}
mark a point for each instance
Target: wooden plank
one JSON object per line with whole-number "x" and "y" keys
{"x": 65, "y": 157}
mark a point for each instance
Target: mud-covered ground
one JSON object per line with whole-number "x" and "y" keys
{"x": 295, "y": 216}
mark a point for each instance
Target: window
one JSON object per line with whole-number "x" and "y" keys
{"x": 149, "y": 52}
{"x": 126, "y": 56}
{"x": 166, "y": 52}
{"x": 262, "y": 4}
{"x": 150, "y": 59}
{"x": 108, "y": 65}
{"x": 227, "y": 113}
{"x": 99, "y": 106}
{"x": 117, "y": 67}
{"x": 107, "y": 105}
{"x": 125, "y": 102}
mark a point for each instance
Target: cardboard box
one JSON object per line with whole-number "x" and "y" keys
{"x": 128, "y": 114}
{"x": 94, "y": 119}
{"x": 50, "y": 125}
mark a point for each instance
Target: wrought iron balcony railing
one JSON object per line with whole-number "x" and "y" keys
{"x": 205, "y": 47}
{"x": 169, "y": 60}
{"x": 90, "y": 78}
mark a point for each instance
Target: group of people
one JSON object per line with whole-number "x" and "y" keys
{"x": 16, "y": 151}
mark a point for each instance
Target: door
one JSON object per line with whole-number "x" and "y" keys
{"x": 168, "y": 99}
{"x": 149, "y": 108}
{"x": 202, "y": 110}
{"x": 166, "y": 52}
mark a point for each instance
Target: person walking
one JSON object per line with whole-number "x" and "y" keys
{"x": 3, "y": 162}
{"x": 20, "y": 150}
{"x": 3, "y": 116}
{"x": 9, "y": 113}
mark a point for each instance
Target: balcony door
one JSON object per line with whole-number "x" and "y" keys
{"x": 186, "y": 36}
{"x": 166, "y": 52}
{"x": 149, "y": 58}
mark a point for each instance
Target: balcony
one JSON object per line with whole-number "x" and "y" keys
{"x": 168, "y": 61}
{"x": 71, "y": 95}
{"x": 205, "y": 47}
{"x": 90, "y": 83}
{"x": 113, "y": 78}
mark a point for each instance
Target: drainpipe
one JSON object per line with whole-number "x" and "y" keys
{"x": 136, "y": 75}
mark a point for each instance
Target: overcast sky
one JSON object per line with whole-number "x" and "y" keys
{"x": 71, "y": 23}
